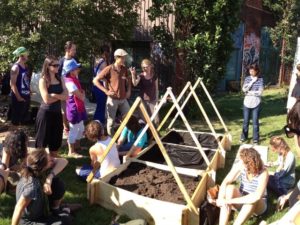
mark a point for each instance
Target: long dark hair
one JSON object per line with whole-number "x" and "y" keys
{"x": 134, "y": 125}
{"x": 293, "y": 117}
{"x": 45, "y": 70}
{"x": 15, "y": 144}
{"x": 36, "y": 162}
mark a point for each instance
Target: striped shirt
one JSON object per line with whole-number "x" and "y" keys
{"x": 249, "y": 186}
{"x": 253, "y": 91}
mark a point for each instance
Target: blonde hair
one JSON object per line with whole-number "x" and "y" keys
{"x": 279, "y": 143}
{"x": 146, "y": 62}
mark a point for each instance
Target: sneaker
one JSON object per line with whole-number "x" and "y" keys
{"x": 242, "y": 141}
{"x": 255, "y": 142}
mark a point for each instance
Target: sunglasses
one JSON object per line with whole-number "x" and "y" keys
{"x": 54, "y": 65}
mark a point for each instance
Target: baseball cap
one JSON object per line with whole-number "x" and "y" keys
{"x": 70, "y": 65}
{"x": 20, "y": 51}
{"x": 120, "y": 52}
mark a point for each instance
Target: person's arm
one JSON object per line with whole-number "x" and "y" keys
{"x": 57, "y": 165}
{"x": 260, "y": 89}
{"x": 44, "y": 92}
{"x": 122, "y": 137}
{"x": 79, "y": 94}
{"x": 128, "y": 93}
{"x": 248, "y": 84}
{"x": 72, "y": 88}
{"x": 101, "y": 76}
{"x": 19, "y": 209}
{"x": 229, "y": 179}
{"x": 64, "y": 95}
{"x": 5, "y": 160}
{"x": 252, "y": 197}
{"x": 93, "y": 154}
{"x": 13, "y": 82}
{"x": 135, "y": 78}
{"x": 157, "y": 89}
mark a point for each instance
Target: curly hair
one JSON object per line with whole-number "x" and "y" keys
{"x": 15, "y": 144}
{"x": 35, "y": 163}
{"x": 252, "y": 160}
{"x": 279, "y": 143}
{"x": 94, "y": 130}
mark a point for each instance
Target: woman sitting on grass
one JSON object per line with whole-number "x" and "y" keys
{"x": 38, "y": 180}
{"x": 129, "y": 135}
{"x": 284, "y": 177}
{"x": 250, "y": 197}
{"x": 94, "y": 131}
{"x": 13, "y": 154}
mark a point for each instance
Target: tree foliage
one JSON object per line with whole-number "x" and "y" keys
{"x": 44, "y": 26}
{"x": 203, "y": 31}
{"x": 287, "y": 14}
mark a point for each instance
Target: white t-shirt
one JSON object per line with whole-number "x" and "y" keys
{"x": 112, "y": 160}
{"x": 71, "y": 87}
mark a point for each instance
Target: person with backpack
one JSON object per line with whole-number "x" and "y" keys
{"x": 117, "y": 88}
{"x": 20, "y": 87}
{"x": 100, "y": 95}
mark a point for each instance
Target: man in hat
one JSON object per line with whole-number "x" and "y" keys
{"x": 20, "y": 87}
{"x": 117, "y": 88}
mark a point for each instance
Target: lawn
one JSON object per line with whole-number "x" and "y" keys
{"x": 273, "y": 118}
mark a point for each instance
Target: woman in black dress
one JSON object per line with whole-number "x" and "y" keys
{"x": 49, "y": 124}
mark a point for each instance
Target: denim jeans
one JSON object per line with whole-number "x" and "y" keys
{"x": 275, "y": 186}
{"x": 255, "y": 121}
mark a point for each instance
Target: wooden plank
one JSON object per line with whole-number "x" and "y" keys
{"x": 167, "y": 158}
{"x": 200, "y": 192}
{"x": 138, "y": 207}
{"x": 179, "y": 170}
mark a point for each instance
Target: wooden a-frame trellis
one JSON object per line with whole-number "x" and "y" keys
{"x": 192, "y": 202}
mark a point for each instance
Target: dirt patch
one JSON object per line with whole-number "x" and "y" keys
{"x": 154, "y": 183}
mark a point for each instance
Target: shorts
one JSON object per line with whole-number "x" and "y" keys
{"x": 49, "y": 129}
{"x": 85, "y": 170}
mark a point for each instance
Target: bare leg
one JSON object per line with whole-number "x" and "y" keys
{"x": 3, "y": 179}
{"x": 231, "y": 192}
{"x": 248, "y": 209}
{"x": 297, "y": 144}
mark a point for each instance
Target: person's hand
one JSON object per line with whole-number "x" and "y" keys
{"x": 254, "y": 79}
{"x": 281, "y": 202}
{"x": 47, "y": 188}
{"x": 110, "y": 93}
{"x": 128, "y": 93}
{"x": 132, "y": 71}
{"x": 21, "y": 99}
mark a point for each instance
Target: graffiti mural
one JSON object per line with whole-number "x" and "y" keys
{"x": 251, "y": 51}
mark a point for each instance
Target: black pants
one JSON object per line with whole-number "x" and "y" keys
{"x": 19, "y": 111}
{"x": 49, "y": 129}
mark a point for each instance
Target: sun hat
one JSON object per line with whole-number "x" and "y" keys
{"x": 20, "y": 51}
{"x": 70, "y": 65}
{"x": 120, "y": 52}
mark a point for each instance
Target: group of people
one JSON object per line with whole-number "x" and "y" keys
{"x": 254, "y": 178}
{"x": 39, "y": 191}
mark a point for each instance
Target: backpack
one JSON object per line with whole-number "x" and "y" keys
{"x": 209, "y": 214}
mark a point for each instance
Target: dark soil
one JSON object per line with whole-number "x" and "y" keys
{"x": 154, "y": 183}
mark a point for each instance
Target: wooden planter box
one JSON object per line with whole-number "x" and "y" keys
{"x": 135, "y": 206}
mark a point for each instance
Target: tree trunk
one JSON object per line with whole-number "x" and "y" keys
{"x": 282, "y": 64}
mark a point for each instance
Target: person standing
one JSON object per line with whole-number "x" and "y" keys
{"x": 148, "y": 83}
{"x": 100, "y": 95}
{"x": 75, "y": 107}
{"x": 70, "y": 53}
{"x": 253, "y": 88}
{"x": 118, "y": 88}
{"x": 20, "y": 87}
{"x": 49, "y": 123}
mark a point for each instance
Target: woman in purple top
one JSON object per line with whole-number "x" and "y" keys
{"x": 148, "y": 83}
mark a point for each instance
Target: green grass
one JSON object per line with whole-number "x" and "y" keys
{"x": 273, "y": 118}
